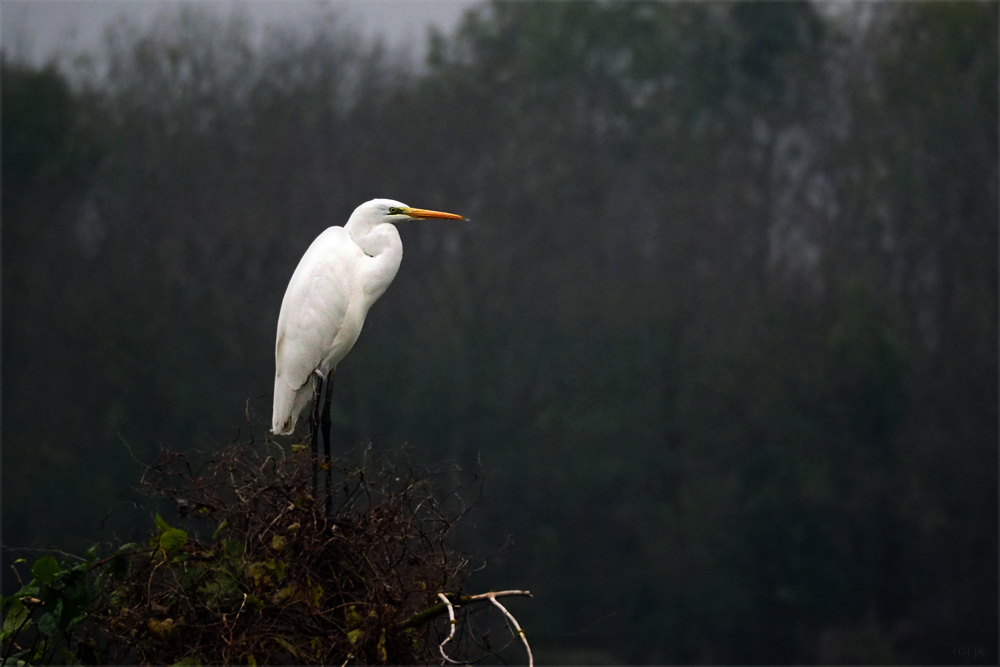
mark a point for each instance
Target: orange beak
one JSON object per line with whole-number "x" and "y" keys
{"x": 423, "y": 214}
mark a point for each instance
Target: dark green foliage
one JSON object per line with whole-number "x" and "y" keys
{"x": 260, "y": 576}
{"x": 42, "y": 614}
{"x": 722, "y": 329}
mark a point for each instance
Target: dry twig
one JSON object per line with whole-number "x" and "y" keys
{"x": 468, "y": 599}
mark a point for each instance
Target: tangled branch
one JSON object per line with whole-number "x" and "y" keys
{"x": 468, "y": 599}
{"x": 262, "y": 575}
{"x": 248, "y": 568}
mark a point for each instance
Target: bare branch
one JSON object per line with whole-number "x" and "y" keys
{"x": 452, "y": 623}
{"x": 493, "y": 599}
{"x": 430, "y": 613}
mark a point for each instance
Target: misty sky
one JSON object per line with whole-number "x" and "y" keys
{"x": 38, "y": 30}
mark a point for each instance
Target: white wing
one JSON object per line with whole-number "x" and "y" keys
{"x": 315, "y": 309}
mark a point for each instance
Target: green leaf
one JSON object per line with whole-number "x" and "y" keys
{"x": 285, "y": 593}
{"x": 14, "y": 616}
{"x": 234, "y": 548}
{"x": 285, "y": 644}
{"x": 218, "y": 531}
{"x": 220, "y": 590}
{"x": 258, "y": 572}
{"x": 66, "y": 601}
{"x": 28, "y": 590}
{"x": 173, "y": 539}
{"x": 75, "y": 620}
{"x": 193, "y": 576}
{"x": 45, "y": 569}
{"x": 48, "y": 623}
{"x": 383, "y": 656}
{"x": 268, "y": 567}
{"x": 38, "y": 656}
{"x": 355, "y": 635}
{"x": 315, "y": 596}
{"x": 76, "y": 591}
{"x": 161, "y": 524}
{"x": 161, "y": 629}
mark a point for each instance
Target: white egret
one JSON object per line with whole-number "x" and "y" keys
{"x": 344, "y": 271}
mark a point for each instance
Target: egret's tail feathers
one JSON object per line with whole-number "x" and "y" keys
{"x": 288, "y": 405}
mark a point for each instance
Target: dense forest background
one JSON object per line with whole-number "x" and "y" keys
{"x": 721, "y": 334}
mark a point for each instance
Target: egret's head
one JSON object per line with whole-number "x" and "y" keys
{"x": 390, "y": 210}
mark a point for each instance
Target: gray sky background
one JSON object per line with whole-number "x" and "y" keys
{"x": 39, "y": 29}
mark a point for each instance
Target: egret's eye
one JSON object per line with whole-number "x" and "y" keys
{"x": 393, "y": 210}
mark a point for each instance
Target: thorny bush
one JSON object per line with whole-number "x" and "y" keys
{"x": 260, "y": 575}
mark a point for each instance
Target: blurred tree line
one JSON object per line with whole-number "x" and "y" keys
{"x": 722, "y": 333}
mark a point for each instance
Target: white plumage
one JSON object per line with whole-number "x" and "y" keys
{"x": 344, "y": 271}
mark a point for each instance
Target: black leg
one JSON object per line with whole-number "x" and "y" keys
{"x": 314, "y": 420}
{"x": 325, "y": 421}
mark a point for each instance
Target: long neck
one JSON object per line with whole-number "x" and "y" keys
{"x": 382, "y": 244}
